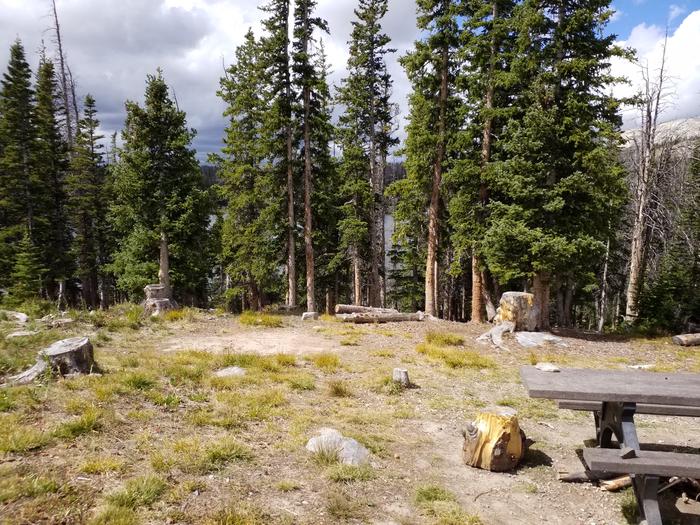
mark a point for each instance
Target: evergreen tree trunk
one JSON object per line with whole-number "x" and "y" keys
{"x": 604, "y": 289}
{"x": 540, "y": 289}
{"x": 308, "y": 231}
{"x": 477, "y": 315}
{"x": 291, "y": 245}
{"x": 431, "y": 271}
{"x": 356, "y": 278}
{"x": 164, "y": 264}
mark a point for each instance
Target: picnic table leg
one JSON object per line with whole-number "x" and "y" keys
{"x": 618, "y": 419}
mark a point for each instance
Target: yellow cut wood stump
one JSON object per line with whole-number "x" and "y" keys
{"x": 494, "y": 441}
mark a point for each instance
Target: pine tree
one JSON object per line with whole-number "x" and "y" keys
{"x": 558, "y": 187}
{"x": 278, "y": 121}
{"x": 487, "y": 86}
{"x": 86, "y": 187}
{"x": 17, "y": 157}
{"x": 27, "y": 272}
{"x": 51, "y": 231}
{"x": 252, "y": 224}
{"x": 365, "y": 129}
{"x": 431, "y": 67}
{"x": 161, "y": 208}
{"x": 306, "y": 80}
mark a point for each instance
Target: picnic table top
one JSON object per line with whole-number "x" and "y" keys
{"x": 632, "y": 386}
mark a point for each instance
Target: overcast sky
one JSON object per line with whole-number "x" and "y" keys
{"x": 112, "y": 44}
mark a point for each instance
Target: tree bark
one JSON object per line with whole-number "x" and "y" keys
{"x": 308, "y": 226}
{"x": 431, "y": 281}
{"x": 291, "y": 245}
{"x": 356, "y": 277}
{"x": 368, "y": 318}
{"x": 540, "y": 289}
{"x": 687, "y": 339}
{"x": 645, "y": 182}
{"x": 604, "y": 289}
{"x": 164, "y": 264}
{"x": 477, "y": 315}
{"x": 355, "y": 309}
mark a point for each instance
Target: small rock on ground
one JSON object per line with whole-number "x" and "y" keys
{"x": 350, "y": 451}
{"x": 230, "y": 371}
{"x": 309, "y": 316}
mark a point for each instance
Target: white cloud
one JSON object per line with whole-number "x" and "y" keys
{"x": 112, "y": 46}
{"x": 682, "y": 67}
{"x": 674, "y": 11}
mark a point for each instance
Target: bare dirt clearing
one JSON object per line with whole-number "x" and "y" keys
{"x": 158, "y": 438}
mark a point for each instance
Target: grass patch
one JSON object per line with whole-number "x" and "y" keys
{"x": 444, "y": 339}
{"x": 340, "y": 506}
{"x": 288, "y": 485}
{"x": 234, "y": 409}
{"x": 388, "y": 386}
{"x": 139, "y": 492}
{"x": 326, "y": 361}
{"x": 301, "y": 382}
{"x": 102, "y": 465}
{"x": 350, "y": 340}
{"x": 115, "y": 515}
{"x": 19, "y": 438}
{"x": 531, "y": 408}
{"x": 455, "y": 358}
{"x": 139, "y": 381}
{"x": 338, "y": 388}
{"x": 250, "y": 318}
{"x": 286, "y": 360}
{"x": 427, "y": 494}
{"x": 89, "y": 421}
{"x": 350, "y": 473}
{"x": 14, "y": 486}
{"x": 240, "y": 514}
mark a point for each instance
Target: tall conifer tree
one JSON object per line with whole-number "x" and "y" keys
{"x": 51, "y": 223}
{"x": 161, "y": 205}
{"x": 17, "y": 157}
{"x": 306, "y": 81}
{"x": 558, "y": 187}
{"x": 278, "y": 121}
{"x": 86, "y": 187}
{"x": 252, "y": 224}
{"x": 366, "y": 135}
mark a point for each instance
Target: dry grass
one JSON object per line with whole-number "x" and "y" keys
{"x": 444, "y": 339}
{"x": 455, "y": 358}
{"x": 139, "y": 492}
{"x": 250, "y": 318}
{"x": 326, "y": 361}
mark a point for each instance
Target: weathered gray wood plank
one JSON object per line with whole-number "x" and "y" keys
{"x": 650, "y": 462}
{"x": 635, "y": 386}
{"x": 642, "y": 408}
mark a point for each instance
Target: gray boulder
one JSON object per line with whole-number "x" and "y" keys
{"x": 349, "y": 451}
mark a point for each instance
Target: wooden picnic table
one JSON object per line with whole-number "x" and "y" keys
{"x": 618, "y": 393}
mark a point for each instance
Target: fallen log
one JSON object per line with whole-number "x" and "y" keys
{"x": 363, "y": 318}
{"x": 612, "y": 485}
{"x": 686, "y": 339}
{"x": 356, "y": 309}
{"x": 495, "y": 335}
{"x": 67, "y": 356}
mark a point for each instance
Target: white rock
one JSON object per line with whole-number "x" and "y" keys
{"x": 547, "y": 367}
{"x": 349, "y": 451}
{"x": 534, "y": 339}
{"x": 17, "y": 317}
{"x": 309, "y": 316}
{"x": 21, "y": 333}
{"x": 230, "y": 371}
{"x": 635, "y": 367}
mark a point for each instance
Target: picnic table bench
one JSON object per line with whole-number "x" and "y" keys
{"x": 615, "y": 397}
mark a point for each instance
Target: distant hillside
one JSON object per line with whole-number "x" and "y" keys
{"x": 686, "y": 129}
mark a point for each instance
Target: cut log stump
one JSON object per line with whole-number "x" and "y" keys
{"x": 518, "y": 308}
{"x": 400, "y": 376}
{"x": 67, "y": 356}
{"x": 686, "y": 339}
{"x": 157, "y": 301}
{"x": 494, "y": 441}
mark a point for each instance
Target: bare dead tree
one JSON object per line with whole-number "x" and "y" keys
{"x": 66, "y": 80}
{"x": 645, "y": 175}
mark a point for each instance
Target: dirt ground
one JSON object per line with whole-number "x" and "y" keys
{"x": 158, "y": 405}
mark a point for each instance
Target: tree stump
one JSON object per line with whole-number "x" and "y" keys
{"x": 157, "y": 300}
{"x": 400, "y": 375}
{"x": 518, "y": 308}
{"x": 67, "y": 356}
{"x": 494, "y": 441}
